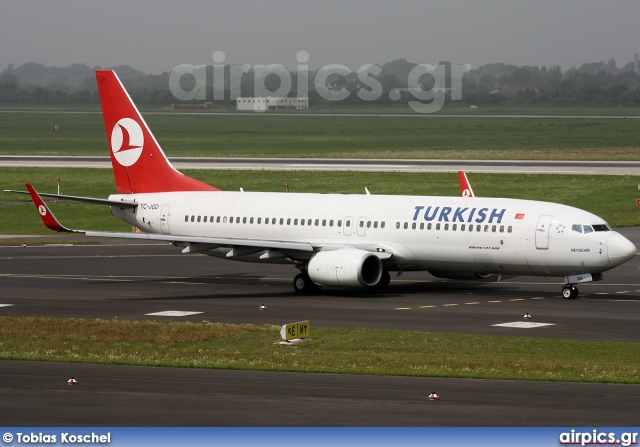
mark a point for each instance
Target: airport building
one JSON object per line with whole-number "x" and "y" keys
{"x": 263, "y": 104}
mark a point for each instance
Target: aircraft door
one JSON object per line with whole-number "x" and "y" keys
{"x": 542, "y": 232}
{"x": 164, "y": 219}
{"x": 361, "y": 229}
{"x": 346, "y": 229}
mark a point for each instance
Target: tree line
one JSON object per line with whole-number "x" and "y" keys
{"x": 597, "y": 83}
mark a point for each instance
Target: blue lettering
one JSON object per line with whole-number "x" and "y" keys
{"x": 497, "y": 215}
{"x": 457, "y": 216}
{"x": 418, "y": 209}
{"x": 482, "y": 215}
{"x": 473, "y": 211}
{"x": 444, "y": 215}
{"x": 428, "y": 217}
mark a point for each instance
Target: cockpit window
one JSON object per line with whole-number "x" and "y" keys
{"x": 586, "y": 229}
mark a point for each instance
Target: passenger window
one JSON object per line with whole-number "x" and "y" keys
{"x": 218, "y": 219}
{"x": 381, "y": 224}
{"x": 339, "y": 223}
{"x": 224, "y": 219}
{"x": 259, "y": 220}
{"x": 406, "y": 225}
{"x": 397, "y": 225}
{"x": 413, "y": 226}
{"x": 446, "y": 227}
{"x": 204, "y": 219}
{"x": 437, "y": 226}
{"x": 324, "y": 222}
{"x": 368, "y": 224}
{"x": 478, "y": 228}
{"x": 318, "y": 222}
{"x": 244, "y": 220}
{"x": 454, "y": 227}
{"x": 301, "y": 221}
{"x": 362, "y": 224}
{"x": 273, "y": 221}
{"x": 493, "y": 229}
{"x": 211, "y": 219}
{"x": 509, "y": 229}
{"x": 348, "y": 223}
{"x": 186, "y": 218}
{"x": 251, "y": 220}
{"x": 462, "y": 227}
{"x": 198, "y": 218}
{"x": 308, "y": 222}
{"x": 282, "y": 221}
{"x": 501, "y": 228}
{"x": 231, "y": 220}
{"x": 289, "y": 221}
{"x": 375, "y": 224}
{"x": 428, "y": 226}
{"x": 422, "y": 225}
{"x": 295, "y": 221}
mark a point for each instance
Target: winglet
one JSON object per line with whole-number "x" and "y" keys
{"x": 45, "y": 213}
{"x": 465, "y": 186}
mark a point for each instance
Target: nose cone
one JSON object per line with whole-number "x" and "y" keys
{"x": 620, "y": 249}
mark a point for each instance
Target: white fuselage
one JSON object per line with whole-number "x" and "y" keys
{"x": 439, "y": 234}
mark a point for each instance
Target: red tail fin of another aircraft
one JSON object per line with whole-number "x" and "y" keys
{"x": 465, "y": 186}
{"x": 139, "y": 164}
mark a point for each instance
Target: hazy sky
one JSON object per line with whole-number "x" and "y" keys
{"x": 155, "y": 36}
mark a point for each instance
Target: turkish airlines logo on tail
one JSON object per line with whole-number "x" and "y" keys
{"x": 127, "y": 141}
{"x": 42, "y": 210}
{"x": 466, "y": 193}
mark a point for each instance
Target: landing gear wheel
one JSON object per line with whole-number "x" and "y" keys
{"x": 569, "y": 292}
{"x": 303, "y": 284}
{"x": 385, "y": 279}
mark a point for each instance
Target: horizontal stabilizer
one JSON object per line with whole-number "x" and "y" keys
{"x": 91, "y": 200}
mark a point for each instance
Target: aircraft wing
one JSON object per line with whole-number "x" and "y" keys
{"x": 213, "y": 241}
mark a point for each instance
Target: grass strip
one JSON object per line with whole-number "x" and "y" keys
{"x": 338, "y": 136}
{"x": 331, "y": 350}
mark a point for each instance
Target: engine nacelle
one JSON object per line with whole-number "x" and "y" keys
{"x": 461, "y": 275}
{"x": 346, "y": 268}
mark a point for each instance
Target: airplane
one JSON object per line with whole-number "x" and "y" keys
{"x": 340, "y": 240}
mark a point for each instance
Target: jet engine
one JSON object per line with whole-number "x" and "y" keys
{"x": 346, "y": 268}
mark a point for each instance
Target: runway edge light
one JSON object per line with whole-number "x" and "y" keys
{"x": 293, "y": 333}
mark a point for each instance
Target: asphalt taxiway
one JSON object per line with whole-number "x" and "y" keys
{"x": 115, "y": 278}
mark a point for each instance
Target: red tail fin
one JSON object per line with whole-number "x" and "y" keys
{"x": 465, "y": 186}
{"x": 139, "y": 164}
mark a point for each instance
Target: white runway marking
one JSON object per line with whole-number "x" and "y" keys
{"x": 5, "y": 305}
{"x": 174, "y": 313}
{"x": 523, "y": 324}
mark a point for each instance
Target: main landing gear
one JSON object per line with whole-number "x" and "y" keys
{"x": 303, "y": 284}
{"x": 569, "y": 292}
